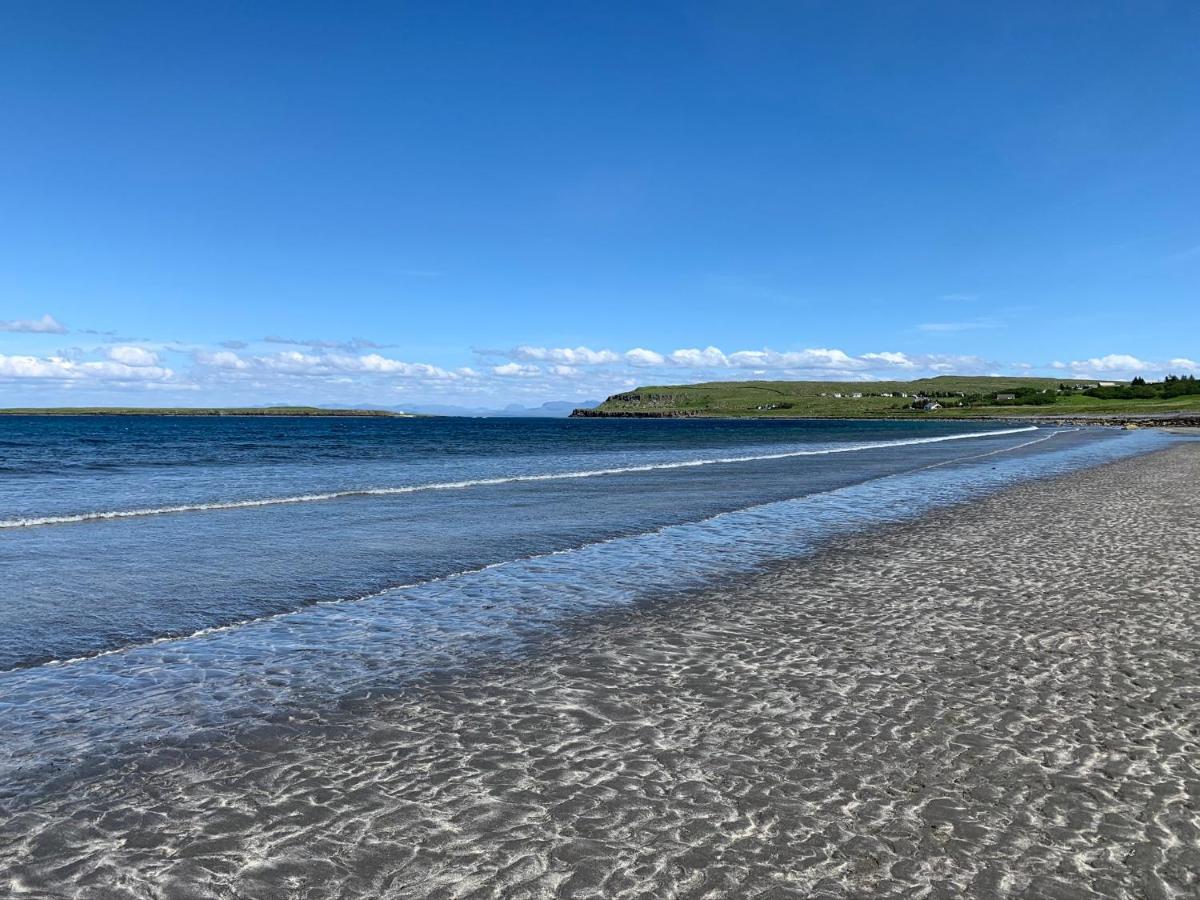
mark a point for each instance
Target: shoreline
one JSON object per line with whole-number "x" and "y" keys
{"x": 999, "y": 698}
{"x": 201, "y": 415}
{"x": 1107, "y": 420}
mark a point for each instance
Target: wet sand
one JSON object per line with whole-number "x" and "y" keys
{"x": 999, "y": 700}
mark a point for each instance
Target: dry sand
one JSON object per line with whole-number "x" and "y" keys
{"x": 1000, "y": 700}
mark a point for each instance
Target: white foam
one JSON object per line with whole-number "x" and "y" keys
{"x": 475, "y": 570}
{"x": 34, "y": 521}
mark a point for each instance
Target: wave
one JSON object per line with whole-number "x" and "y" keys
{"x": 34, "y": 521}
{"x": 449, "y": 577}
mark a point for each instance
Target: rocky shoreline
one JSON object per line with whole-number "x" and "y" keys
{"x": 639, "y": 414}
{"x": 1178, "y": 420}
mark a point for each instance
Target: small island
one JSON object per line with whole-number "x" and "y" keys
{"x": 288, "y": 411}
{"x": 1173, "y": 401}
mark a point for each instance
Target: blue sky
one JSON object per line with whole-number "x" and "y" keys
{"x": 404, "y": 203}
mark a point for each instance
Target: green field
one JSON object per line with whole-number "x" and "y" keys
{"x": 782, "y": 399}
{"x": 197, "y": 411}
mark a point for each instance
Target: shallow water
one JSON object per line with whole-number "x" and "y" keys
{"x": 117, "y": 532}
{"x": 141, "y": 627}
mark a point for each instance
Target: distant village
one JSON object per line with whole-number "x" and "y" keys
{"x": 929, "y": 401}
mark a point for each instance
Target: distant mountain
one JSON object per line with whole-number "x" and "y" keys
{"x": 550, "y": 409}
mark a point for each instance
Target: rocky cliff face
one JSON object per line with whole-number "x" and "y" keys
{"x": 634, "y": 414}
{"x": 639, "y": 405}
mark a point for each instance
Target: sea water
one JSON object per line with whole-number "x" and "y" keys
{"x": 160, "y": 576}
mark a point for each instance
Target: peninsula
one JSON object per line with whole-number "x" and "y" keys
{"x": 199, "y": 411}
{"x": 946, "y": 396}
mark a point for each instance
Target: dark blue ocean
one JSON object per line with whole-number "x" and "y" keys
{"x": 159, "y": 575}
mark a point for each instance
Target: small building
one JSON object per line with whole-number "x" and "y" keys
{"x": 856, "y": 396}
{"x": 885, "y": 394}
{"x": 839, "y": 396}
{"x": 931, "y": 405}
{"x": 1008, "y": 395}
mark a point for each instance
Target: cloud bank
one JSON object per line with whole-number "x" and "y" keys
{"x": 360, "y": 371}
{"x": 47, "y": 324}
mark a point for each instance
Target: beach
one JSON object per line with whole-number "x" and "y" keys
{"x": 998, "y": 699}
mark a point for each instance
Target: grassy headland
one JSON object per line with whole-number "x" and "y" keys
{"x": 956, "y": 396}
{"x": 197, "y": 411}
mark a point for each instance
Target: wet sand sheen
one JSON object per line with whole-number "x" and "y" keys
{"x": 998, "y": 700}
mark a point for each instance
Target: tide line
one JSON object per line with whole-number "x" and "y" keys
{"x": 397, "y": 589}
{"x": 35, "y": 521}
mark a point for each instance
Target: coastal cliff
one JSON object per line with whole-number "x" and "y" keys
{"x": 635, "y": 414}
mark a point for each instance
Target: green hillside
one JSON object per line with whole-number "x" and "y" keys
{"x": 959, "y": 396}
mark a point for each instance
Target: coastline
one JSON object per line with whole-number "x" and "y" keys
{"x": 1108, "y": 420}
{"x": 207, "y": 412}
{"x": 900, "y": 712}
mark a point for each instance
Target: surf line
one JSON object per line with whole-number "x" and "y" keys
{"x": 399, "y": 589}
{"x": 958, "y": 459}
{"x": 35, "y": 521}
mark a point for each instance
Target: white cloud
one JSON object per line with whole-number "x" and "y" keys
{"x": 221, "y": 359}
{"x": 709, "y": 357}
{"x": 808, "y": 360}
{"x": 47, "y": 324}
{"x": 33, "y": 367}
{"x": 577, "y": 356}
{"x": 893, "y": 359}
{"x": 796, "y": 360}
{"x": 1114, "y": 362}
{"x": 325, "y": 364}
{"x": 58, "y": 368}
{"x": 327, "y": 371}
{"x": 816, "y": 361}
{"x": 639, "y": 356}
{"x": 512, "y": 369}
{"x": 133, "y": 356}
{"x": 949, "y": 363}
{"x": 373, "y": 362}
{"x": 291, "y": 361}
